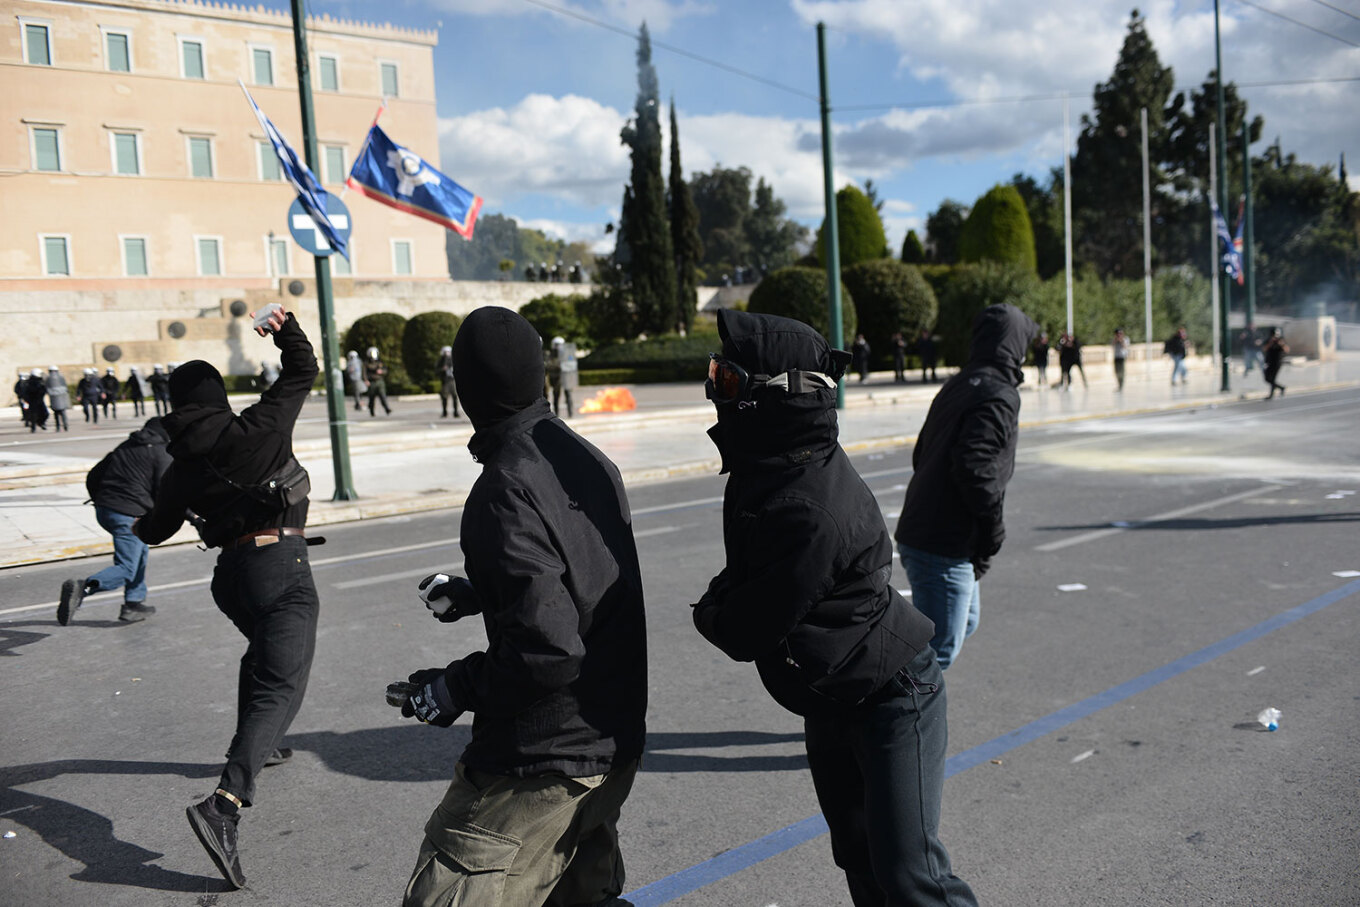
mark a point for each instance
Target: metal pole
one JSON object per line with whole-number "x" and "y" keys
{"x": 1215, "y": 264}
{"x": 330, "y": 344}
{"x": 1249, "y": 232}
{"x": 830, "y": 236}
{"x": 1226, "y": 347}
{"x": 1067, "y": 211}
{"x": 1147, "y": 250}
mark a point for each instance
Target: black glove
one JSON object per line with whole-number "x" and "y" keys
{"x": 980, "y": 567}
{"x": 449, "y": 598}
{"x": 431, "y": 703}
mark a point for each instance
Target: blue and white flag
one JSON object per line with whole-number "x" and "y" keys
{"x": 309, "y": 192}
{"x": 398, "y": 177}
{"x": 1232, "y": 253}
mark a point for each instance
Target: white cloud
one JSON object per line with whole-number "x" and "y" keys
{"x": 659, "y": 15}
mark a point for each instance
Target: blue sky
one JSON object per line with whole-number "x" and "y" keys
{"x": 531, "y": 97}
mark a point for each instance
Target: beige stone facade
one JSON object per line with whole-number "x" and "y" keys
{"x": 130, "y": 160}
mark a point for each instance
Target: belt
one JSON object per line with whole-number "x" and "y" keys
{"x": 262, "y": 538}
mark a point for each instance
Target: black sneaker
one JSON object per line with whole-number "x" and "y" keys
{"x": 217, "y": 833}
{"x": 135, "y": 611}
{"x": 72, "y": 594}
{"x": 279, "y": 756}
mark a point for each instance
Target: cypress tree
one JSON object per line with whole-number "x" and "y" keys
{"x": 998, "y": 229}
{"x": 689, "y": 248}
{"x": 913, "y": 251}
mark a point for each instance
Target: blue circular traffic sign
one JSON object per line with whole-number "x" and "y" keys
{"x": 304, "y": 230}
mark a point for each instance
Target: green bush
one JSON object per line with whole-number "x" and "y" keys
{"x": 555, "y": 316}
{"x": 383, "y": 330}
{"x": 605, "y": 315}
{"x": 859, "y": 230}
{"x": 607, "y": 377}
{"x": 421, "y": 340}
{"x": 1098, "y": 307}
{"x": 801, "y": 293}
{"x": 889, "y": 297}
{"x": 998, "y": 229}
{"x": 669, "y": 351}
{"x": 973, "y": 288}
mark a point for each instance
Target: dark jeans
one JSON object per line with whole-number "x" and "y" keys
{"x": 269, "y": 595}
{"x": 138, "y": 407}
{"x": 879, "y": 772}
{"x": 377, "y": 390}
{"x": 129, "y": 557}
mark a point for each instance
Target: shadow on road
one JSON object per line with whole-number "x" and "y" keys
{"x": 12, "y": 638}
{"x": 87, "y": 836}
{"x": 657, "y": 760}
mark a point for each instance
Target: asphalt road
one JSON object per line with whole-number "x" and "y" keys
{"x": 1103, "y": 745}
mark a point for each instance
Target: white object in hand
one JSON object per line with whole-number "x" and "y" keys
{"x": 429, "y": 584}
{"x": 262, "y": 316}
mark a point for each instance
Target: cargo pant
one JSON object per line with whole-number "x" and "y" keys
{"x": 503, "y": 841}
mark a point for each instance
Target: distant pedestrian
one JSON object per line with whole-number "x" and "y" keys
{"x": 111, "y": 387}
{"x": 899, "y": 351}
{"x": 1067, "y": 358}
{"x": 35, "y": 389}
{"x": 952, "y": 522}
{"x": 448, "y": 385}
{"x": 19, "y": 387}
{"x": 123, "y": 486}
{"x": 1251, "y": 350}
{"x": 1275, "y": 351}
{"x": 160, "y": 389}
{"x": 91, "y": 394}
{"x": 375, "y": 375}
{"x": 1120, "y": 351}
{"x": 135, "y": 390}
{"x": 926, "y": 352}
{"x": 1039, "y": 349}
{"x": 1175, "y": 348}
{"x": 354, "y": 371}
{"x": 59, "y": 398}
{"x": 558, "y": 380}
{"x": 859, "y": 357}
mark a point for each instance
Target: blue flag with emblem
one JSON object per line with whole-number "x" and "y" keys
{"x": 398, "y": 177}
{"x": 309, "y": 192}
{"x": 1232, "y": 252}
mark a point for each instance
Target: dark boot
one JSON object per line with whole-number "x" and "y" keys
{"x": 73, "y": 592}
{"x": 216, "y": 831}
{"x": 135, "y": 611}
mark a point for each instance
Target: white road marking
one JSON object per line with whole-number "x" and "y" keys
{"x": 659, "y": 530}
{"x": 1082, "y": 757}
{"x": 1161, "y": 517}
{"x": 1256, "y": 670}
{"x": 1072, "y": 587}
{"x": 422, "y": 572}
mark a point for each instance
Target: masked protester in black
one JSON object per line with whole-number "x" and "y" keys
{"x": 805, "y": 595}
{"x": 559, "y": 695}
{"x": 263, "y": 580}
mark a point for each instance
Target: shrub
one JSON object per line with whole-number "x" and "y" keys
{"x": 801, "y": 293}
{"x": 973, "y": 288}
{"x": 859, "y": 230}
{"x": 890, "y": 296}
{"x": 998, "y": 229}
{"x": 605, "y": 315}
{"x": 421, "y": 341}
{"x": 383, "y": 330}
{"x": 666, "y": 351}
{"x": 555, "y": 316}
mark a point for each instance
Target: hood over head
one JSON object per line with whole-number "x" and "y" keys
{"x": 1001, "y": 336}
{"x": 153, "y": 432}
{"x": 498, "y": 365}
{"x": 198, "y": 382}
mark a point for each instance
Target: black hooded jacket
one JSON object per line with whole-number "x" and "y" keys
{"x": 547, "y": 540}
{"x": 806, "y": 592}
{"x": 207, "y": 442}
{"x": 127, "y": 478}
{"x": 965, "y": 453}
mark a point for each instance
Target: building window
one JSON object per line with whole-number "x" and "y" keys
{"x": 335, "y": 163}
{"x": 401, "y": 256}
{"x": 37, "y": 48}
{"x": 118, "y": 54}
{"x": 191, "y": 58}
{"x": 46, "y": 148}
{"x": 127, "y": 158}
{"x": 389, "y": 80}
{"x": 341, "y": 264}
{"x": 269, "y": 162}
{"x": 278, "y": 258}
{"x": 329, "y": 72}
{"x": 134, "y": 256}
{"x": 209, "y": 256}
{"x": 200, "y": 156}
{"x": 262, "y": 63}
{"x": 56, "y": 260}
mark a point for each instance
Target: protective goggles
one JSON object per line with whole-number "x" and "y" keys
{"x": 728, "y": 382}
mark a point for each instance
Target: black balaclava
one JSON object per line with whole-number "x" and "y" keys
{"x": 1001, "y": 336}
{"x": 197, "y": 382}
{"x": 497, "y": 364}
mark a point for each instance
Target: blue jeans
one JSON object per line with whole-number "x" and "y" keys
{"x": 1177, "y": 368}
{"x": 945, "y": 590}
{"x": 129, "y": 557}
{"x": 878, "y": 769}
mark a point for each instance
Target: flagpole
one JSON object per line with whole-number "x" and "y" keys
{"x": 1223, "y": 193}
{"x": 1248, "y": 235}
{"x": 1214, "y": 265}
{"x": 1067, "y": 212}
{"x": 1147, "y": 252}
{"x": 330, "y": 345}
{"x": 368, "y": 137}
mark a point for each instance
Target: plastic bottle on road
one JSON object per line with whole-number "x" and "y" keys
{"x": 1270, "y": 719}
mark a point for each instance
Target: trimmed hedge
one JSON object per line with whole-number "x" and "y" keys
{"x": 998, "y": 229}
{"x": 890, "y": 296}
{"x": 973, "y": 288}
{"x": 801, "y": 293}
{"x": 383, "y": 330}
{"x": 556, "y": 316}
{"x": 421, "y": 340}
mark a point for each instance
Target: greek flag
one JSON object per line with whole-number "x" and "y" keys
{"x": 398, "y": 177}
{"x": 1232, "y": 251}
{"x": 309, "y": 191}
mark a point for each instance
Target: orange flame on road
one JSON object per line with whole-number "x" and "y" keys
{"x": 610, "y": 400}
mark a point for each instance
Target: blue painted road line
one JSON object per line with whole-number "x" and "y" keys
{"x": 679, "y": 884}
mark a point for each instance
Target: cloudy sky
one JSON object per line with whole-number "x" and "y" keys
{"x": 932, "y": 99}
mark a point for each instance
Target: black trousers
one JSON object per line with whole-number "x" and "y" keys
{"x": 878, "y": 769}
{"x": 269, "y": 595}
